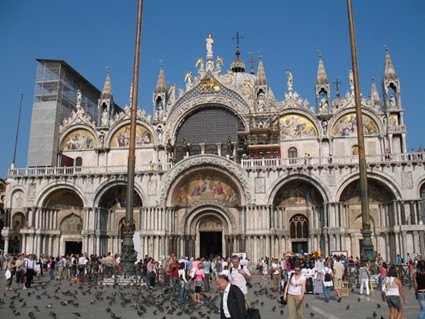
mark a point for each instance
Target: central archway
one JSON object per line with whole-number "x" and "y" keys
{"x": 208, "y": 227}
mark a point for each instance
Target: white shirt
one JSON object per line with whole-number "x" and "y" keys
{"x": 225, "y": 295}
{"x": 277, "y": 267}
{"x": 296, "y": 285}
{"x": 238, "y": 279}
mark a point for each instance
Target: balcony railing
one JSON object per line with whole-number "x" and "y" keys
{"x": 246, "y": 163}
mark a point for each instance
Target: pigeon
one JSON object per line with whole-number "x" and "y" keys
{"x": 281, "y": 312}
{"x": 348, "y": 307}
{"x": 49, "y": 306}
{"x": 311, "y": 314}
{"x": 52, "y": 314}
{"x": 378, "y": 305}
{"x": 108, "y": 309}
{"x": 274, "y": 308}
{"x": 77, "y": 314}
{"x": 31, "y": 315}
{"x": 374, "y": 314}
{"x": 307, "y": 305}
{"x": 358, "y": 299}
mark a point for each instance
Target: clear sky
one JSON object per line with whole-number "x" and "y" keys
{"x": 91, "y": 35}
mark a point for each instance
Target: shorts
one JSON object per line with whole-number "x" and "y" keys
{"x": 337, "y": 283}
{"x": 198, "y": 289}
{"x": 394, "y": 302}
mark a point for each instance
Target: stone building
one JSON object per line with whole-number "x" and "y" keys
{"x": 223, "y": 167}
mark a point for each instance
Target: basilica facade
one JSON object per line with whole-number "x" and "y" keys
{"x": 224, "y": 167}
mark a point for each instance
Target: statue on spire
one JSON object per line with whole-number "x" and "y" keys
{"x": 209, "y": 42}
{"x": 290, "y": 80}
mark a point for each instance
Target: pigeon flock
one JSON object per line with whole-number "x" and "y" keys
{"x": 68, "y": 299}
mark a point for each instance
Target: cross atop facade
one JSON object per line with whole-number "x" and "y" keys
{"x": 237, "y": 38}
{"x": 337, "y": 83}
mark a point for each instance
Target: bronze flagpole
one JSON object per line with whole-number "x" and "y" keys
{"x": 129, "y": 255}
{"x": 367, "y": 252}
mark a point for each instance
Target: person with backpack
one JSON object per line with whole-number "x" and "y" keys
{"x": 326, "y": 277}
{"x": 392, "y": 292}
{"x": 239, "y": 275}
{"x": 364, "y": 277}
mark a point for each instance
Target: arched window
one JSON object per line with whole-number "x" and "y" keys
{"x": 292, "y": 155}
{"x": 298, "y": 227}
{"x": 78, "y": 161}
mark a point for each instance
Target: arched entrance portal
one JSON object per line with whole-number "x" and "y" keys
{"x": 210, "y": 237}
{"x": 208, "y": 227}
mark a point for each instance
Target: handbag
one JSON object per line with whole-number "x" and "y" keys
{"x": 253, "y": 313}
{"x": 8, "y": 274}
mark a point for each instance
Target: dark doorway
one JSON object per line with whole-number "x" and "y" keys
{"x": 73, "y": 247}
{"x": 211, "y": 244}
{"x": 299, "y": 247}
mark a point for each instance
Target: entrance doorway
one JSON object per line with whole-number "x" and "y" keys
{"x": 211, "y": 244}
{"x": 299, "y": 247}
{"x": 73, "y": 247}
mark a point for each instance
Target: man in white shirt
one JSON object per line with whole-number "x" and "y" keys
{"x": 275, "y": 268}
{"x": 239, "y": 275}
{"x": 30, "y": 263}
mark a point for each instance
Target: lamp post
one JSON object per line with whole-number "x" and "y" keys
{"x": 367, "y": 252}
{"x": 129, "y": 255}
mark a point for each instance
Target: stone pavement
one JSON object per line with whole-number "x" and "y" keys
{"x": 67, "y": 299}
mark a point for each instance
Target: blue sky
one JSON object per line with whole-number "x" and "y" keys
{"x": 95, "y": 34}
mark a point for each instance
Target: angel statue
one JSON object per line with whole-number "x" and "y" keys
{"x": 218, "y": 63}
{"x": 290, "y": 80}
{"x": 188, "y": 79}
{"x": 200, "y": 62}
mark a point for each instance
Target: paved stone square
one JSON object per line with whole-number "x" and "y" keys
{"x": 67, "y": 299}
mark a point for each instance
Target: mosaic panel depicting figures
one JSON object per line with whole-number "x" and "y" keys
{"x": 297, "y": 194}
{"x": 203, "y": 186}
{"x": 377, "y": 193}
{"x": 347, "y": 126}
{"x": 393, "y": 119}
{"x": 121, "y": 138}
{"x": 63, "y": 199}
{"x": 78, "y": 140}
{"x": 293, "y": 126}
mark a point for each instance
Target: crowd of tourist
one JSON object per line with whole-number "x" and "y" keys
{"x": 293, "y": 275}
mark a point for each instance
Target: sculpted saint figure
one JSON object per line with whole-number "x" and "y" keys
{"x": 290, "y": 80}
{"x": 229, "y": 145}
{"x": 209, "y": 44}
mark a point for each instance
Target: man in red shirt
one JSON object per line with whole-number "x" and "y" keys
{"x": 174, "y": 275}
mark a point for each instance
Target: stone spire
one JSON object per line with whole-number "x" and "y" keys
{"x": 323, "y": 88}
{"x": 389, "y": 71}
{"x": 322, "y": 77}
{"x": 105, "y": 105}
{"x": 159, "y": 98}
{"x": 160, "y": 85}
{"x": 261, "y": 75}
{"x": 390, "y": 85}
{"x": 107, "y": 89}
{"x": 374, "y": 95}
